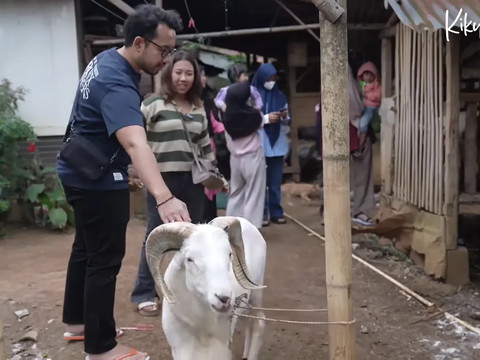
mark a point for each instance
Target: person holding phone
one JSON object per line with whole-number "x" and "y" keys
{"x": 274, "y": 139}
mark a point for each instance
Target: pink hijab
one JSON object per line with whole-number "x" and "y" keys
{"x": 355, "y": 100}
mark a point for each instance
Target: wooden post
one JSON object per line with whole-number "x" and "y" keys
{"x": 469, "y": 149}
{"x": 157, "y": 79}
{"x": 2, "y": 342}
{"x": 387, "y": 130}
{"x": 452, "y": 153}
{"x": 336, "y": 182}
{"x": 294, "y": 162}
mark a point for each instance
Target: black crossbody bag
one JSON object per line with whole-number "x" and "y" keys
{"x": 82, "y": 154}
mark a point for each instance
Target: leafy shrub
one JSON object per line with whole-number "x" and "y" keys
{"x": 37, "y": 188}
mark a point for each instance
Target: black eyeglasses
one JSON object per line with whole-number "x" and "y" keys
{"x": 164, "y": 51}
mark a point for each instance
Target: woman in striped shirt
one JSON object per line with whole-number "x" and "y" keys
{"x": 178, "y": 101}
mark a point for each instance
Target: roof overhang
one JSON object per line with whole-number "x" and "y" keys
{"x": 437, "y": 14}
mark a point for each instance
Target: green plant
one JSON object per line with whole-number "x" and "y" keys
{"x": 44, "y": 193}
{"x": 12, "y": 131}
{"x": 36, "y": 188}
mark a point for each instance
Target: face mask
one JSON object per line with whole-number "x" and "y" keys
{"x": 269, "y": 85}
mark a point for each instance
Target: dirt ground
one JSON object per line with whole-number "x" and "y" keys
{"x": 389, "y": 325}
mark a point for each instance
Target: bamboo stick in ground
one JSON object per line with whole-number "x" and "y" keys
{"x": 336, "y": 182}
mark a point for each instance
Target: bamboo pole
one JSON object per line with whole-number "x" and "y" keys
{"x": 336, "y": 182}
{"x": 257, "y": 31}
{"x": 157, "y": 79}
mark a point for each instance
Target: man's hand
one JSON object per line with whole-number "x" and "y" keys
{"x": 223, "y": 107}
{"x": 132, "y": 173}
{"x": 273, "y": 118}
{"x": 134, "y": 141}
{"x": 173, "y": 210}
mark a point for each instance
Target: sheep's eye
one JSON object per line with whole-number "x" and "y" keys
{"x": 230, "y": 255}
{"x": 189, "y": 259}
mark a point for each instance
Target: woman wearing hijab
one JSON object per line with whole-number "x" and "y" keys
{"x": 247, "y": 162}
{"x": 362, "y": 166}
{"x": 274, "y": 139}
{"x": 361, "y": 174}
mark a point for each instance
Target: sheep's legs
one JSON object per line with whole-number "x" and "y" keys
{"x": 248, "y": 338}
{"x": 255, "y": 333}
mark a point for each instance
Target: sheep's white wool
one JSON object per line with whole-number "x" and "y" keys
{"x": 199, "y": 275}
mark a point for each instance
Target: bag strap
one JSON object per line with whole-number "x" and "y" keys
{"x": 70, "y": 129}
{"x": 193, "y": 146}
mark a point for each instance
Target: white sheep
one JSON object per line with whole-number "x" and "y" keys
{"x": 205, "y": 282}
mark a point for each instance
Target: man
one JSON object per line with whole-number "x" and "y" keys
{"x": 106, "y": 114}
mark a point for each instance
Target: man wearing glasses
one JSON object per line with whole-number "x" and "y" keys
{"x": 106, "y": 123}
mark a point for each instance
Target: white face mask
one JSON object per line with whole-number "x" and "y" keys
{"x": 269, "y": 85}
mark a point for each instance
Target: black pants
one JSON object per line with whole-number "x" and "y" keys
{"x": 101, "y": 219}
{"x": 210, "y": 209}
{"x": 181, "y": 185}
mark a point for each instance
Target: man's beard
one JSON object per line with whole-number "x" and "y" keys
{"x": 150, "y": 71}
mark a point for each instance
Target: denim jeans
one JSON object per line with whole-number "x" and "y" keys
{"x": 366, "y": 118}
{"x": 181, "y": 185}
{"x": 273, "y": 195}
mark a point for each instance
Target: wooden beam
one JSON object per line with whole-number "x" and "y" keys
{"x": 292, "y": 14}
{"x": 228, "y": 33}
{"x": 387, "y": 128}
{"x": 122, "y": 5}
{"x": 470, "y": 165}
{"x": 388, "y": 32}
{"x": 469, "y": 97}
{"x": 295, "y": 163}
{"x": 452, "y": 154}
{"x": 387, "y": 68}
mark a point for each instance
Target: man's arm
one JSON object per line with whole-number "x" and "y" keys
{"x": 122, "y": 116}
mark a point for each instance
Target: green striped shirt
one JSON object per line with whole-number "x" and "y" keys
{"x": 166, "y": 136}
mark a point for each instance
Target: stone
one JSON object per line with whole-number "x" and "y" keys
{"x": 30, "y": 336}
{"x": 457, "y": 267}
{"x": 22, "y": 313}
{"x": 385, "y": 242}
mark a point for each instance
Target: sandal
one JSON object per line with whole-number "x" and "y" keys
{"x": 362, "y": 219}
{"x": 280, "y": 220}
{"x": 132, "y": 352}
{"x": 69, "y": 336}
{"x": 148, "y": 308}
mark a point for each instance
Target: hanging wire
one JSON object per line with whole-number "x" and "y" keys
{"x": 108, "y": 10}
{"x": 191, "y": 23}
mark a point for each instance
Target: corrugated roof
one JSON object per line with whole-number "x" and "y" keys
{"x": 432, "y": 14}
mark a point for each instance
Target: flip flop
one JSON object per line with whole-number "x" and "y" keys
{"x": 132, "y": 352}
{"x": 148, "y": 304}
{"x": 81, "y": 337}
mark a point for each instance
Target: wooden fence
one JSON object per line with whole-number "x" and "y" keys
{"x": 419, "y": 135}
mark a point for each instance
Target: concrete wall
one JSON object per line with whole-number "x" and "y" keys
{"x": 39, "y": 52}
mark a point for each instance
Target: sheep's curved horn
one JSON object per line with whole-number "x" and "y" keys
{"x": 232, "y": 226}
{"x": 162, "y": 239}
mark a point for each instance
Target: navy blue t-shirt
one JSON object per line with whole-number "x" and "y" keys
{"x": 108, "y": 100}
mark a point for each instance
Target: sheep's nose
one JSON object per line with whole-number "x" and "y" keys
{"x": 224, "y": 299}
